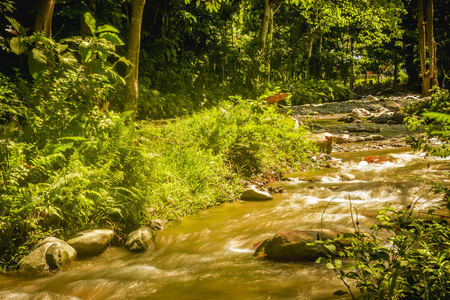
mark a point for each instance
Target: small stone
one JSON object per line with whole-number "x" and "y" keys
{"x": 140, "y": 240}
{"x": 372, "y": 98}
{"x": 377, "y": 137}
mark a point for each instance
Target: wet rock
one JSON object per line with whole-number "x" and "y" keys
{"x": 373, "y": 129}
{"x": 356, "y": 129}
{"x": 383, "y": 110}
{"x": 377, "y": 137}
{"x": 252, "y": 193}
{"x": 382, "y": 119}
{"x": 361, "y": 112}
{"x": 140, "y": 240}
{"x": 91, "y": 242}
{"x": 392, "y": 106}
{"x": 398, "y": 118}
{"x": 292, "y": 245}
{"x": 358, "y": 139}
{"x": 342, "y": 139}
{"x": 48, "y": 254}
{"x": 157, "y": 224}
{"x": 324, "y": 140}
{"x": 347, "y": 177}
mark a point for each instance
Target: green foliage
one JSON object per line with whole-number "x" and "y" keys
{"x": 311, "y": 91}
{"x": 406, "y": 256}
{"x": 431, "y": 118}
{"x": 11, "y": 107}
{"x": 96, "y": 171}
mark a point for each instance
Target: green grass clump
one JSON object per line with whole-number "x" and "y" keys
{"x": 122, "y": 176}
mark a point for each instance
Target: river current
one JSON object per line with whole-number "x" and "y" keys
{"x": 210, "y": 255}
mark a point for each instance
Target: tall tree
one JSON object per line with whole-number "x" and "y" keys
{"x": 134, "y": 43}
{"x": 44, "y": 17}
{"x": 427, "y": 44}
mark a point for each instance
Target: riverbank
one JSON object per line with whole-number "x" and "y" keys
{"x": 369, "y": 123}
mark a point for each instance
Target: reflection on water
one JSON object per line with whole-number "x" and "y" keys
{"x": 210, "y": 255}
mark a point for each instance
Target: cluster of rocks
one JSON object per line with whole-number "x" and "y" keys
{"x": 53, "y": 254}
{"x": 369, "y": 103}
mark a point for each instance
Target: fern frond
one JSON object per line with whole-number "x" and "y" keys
{"x": 440, "y": 117}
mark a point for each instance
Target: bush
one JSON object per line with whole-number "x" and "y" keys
{"x": 413, "y": 262}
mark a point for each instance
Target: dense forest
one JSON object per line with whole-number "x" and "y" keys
{"x": 88, "y": 91}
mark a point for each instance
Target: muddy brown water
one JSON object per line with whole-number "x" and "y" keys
{"x": 209, "y": 255}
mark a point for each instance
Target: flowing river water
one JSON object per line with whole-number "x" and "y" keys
{"x": 209, "y": 255}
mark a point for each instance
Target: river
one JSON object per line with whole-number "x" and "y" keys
{"x": 209, "y": 255}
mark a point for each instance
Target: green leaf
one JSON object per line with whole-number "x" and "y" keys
{"x": 113, "y": 38}
{"x": 90, "y": 22}
{"x": 85, "y": 51}
{"x": 37, "y": 63}
{"x": 107, "y": 28}
{"x": 17, "y": 26}
{"x": 340, "y": 293}
{"x": 17, "y": 45}
{"x": 321, "y": 260}
{"x": 330, "y": 247}
{"x": 330, "y": 266}
{"x": 67, "y": 59}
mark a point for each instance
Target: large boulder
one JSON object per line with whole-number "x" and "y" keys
{"x": 91, "y": 242}
{"x": 293, "y": 245}
{"x": 140, "y": 240}
{"x": 324, "y": 140}
{"x": 252, "y": 193}
{"x": 48, "y": 254}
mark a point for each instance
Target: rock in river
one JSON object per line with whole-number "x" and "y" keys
{"x": 292, "y": 245}
{"x": 48, "y": 254}
{"x": 252, "y": 193}
{"x": 91, "y": 242}
{"x": 140, "y": 240}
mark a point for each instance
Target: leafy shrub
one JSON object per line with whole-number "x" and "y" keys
{"x": 413, "y": 262}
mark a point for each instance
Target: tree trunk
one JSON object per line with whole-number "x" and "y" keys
{"x": 268, "y": 53}
{"x": 134, "y": 42}
{"x": 422, "y": 49}
{"x": 44, "y": 16}
{"x": 352, "y": 71}
{"x": 264, "y": 26}
{"x": 308, "y": 58}
{"x": 431, "y": 44}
